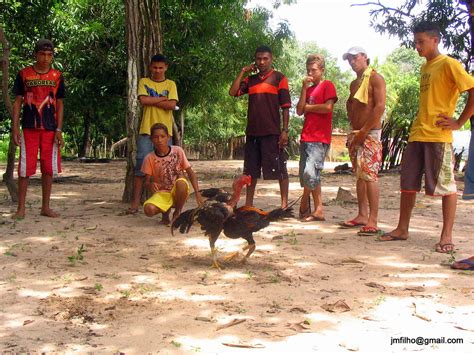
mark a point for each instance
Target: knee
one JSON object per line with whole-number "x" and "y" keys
{"x": 150, "y": 210}
{"x": 181, "y": 186}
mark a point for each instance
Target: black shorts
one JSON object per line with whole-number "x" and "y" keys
{"x": 264, "y": 154}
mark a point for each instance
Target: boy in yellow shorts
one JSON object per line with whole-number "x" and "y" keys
{"x": 429, "y": 150}
{"x": 164, "y": 176}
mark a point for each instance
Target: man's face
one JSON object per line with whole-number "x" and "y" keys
{"x": 425, "y": 44}
{"x": 357, "y": 61}
{"x": 44, "y": 58}
{"x": 158, "y": 70}
{"x": 263, "y": 61}
{"x": 313, "y": 70}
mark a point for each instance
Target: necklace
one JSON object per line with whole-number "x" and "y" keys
{"x": 162, "y": 155}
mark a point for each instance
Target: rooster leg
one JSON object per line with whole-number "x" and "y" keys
{"x": 251, "y": 249}
{"x": 231, "y": 256}
{"x": 215, "y": 264}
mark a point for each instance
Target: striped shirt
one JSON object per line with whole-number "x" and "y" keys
{"x": 267, "y": 94}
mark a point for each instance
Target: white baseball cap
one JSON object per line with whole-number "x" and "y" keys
{"x": 354, "y": 51}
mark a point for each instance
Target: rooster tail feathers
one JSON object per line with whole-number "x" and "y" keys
{"x": 281, "y": 213}
{"x": 184, "y": 221}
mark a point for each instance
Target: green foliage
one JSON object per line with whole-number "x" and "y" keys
{"x": 451, "y": 15}
{"x": 78, "y": 256}
{"x": 401, "y": 73}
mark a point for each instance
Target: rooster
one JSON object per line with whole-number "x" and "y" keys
{"x": 217, "y": 217}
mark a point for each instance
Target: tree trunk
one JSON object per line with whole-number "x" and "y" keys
{"x": 8, "y": 175}
{"x": 86, "y": 137}
{"x": 143, "y": 41}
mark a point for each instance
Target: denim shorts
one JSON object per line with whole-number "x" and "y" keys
{"x": 312, "y": 155}
{"x": 144, "y": 147}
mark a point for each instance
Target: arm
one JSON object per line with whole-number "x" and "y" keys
{"x": 150, "y": 186}
{"x": 300, "y": 106}
{"x": 378, "y": 97}
{"x": 447, "y": 122}
{"x": 16, "y": 119}
{"x": 284, "y": 133}
{"x": 194, "y": 181}
{"x": 161, "y": 102}
{"x": 320, "y": 108}
{"x": 234, "y": 88}
{"x": 60, "y": 118}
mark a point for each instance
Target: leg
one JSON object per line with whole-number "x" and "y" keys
{"x": 137, "y": 193}
{"x": 407, "y": 202}
{"x": 445, "y": 244}
{"x": 180, "y": 196}
{"x": 284, "y": 186}
{"x": 46, "y": 184}
{"x": 151, "y": 210}
{"x": 305, "y": 208}
{"x": 363, "y": 204}
{"x": 212, "y": 243}
{"x": 468, "y": 193}
{"x": 251, "y": 248}
{"x": 250, "y": 192}
{"x": 373, "y": 201}
{"x": 22, "y": 187}
{"x": 318, "y": 203}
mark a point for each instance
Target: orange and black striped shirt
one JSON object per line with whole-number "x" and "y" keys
{"x": 267, "y": 94}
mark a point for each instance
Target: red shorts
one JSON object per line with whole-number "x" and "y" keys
{"x": 33, "y": 140}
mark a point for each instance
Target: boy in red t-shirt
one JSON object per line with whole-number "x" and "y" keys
{"x": 164, "y": 176}
{"x": 40, "y": 90}
{"x": 316, "y": 102}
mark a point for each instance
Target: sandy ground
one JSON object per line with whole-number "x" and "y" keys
{"x": 95, "y": 281}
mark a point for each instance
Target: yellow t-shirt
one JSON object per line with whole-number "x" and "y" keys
{"x": 153, "y": 114}
{"x": 442, "y": 80}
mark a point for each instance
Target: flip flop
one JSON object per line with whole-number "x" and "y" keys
{"x": 313, "y": 218}
{"x": 368, "y": 231}
{"x": 392, "y": 238}
{"x": 444, "y": 248}
{"x": 465, "y": 261}
{"x": 129, "y": 211}
{"x": 351, "y": 224}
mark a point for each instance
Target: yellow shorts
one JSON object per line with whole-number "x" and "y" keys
{"x": 165, "y": 200}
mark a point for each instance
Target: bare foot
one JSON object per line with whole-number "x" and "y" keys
{"x": 49, "y": 213}
{"x": 19, "y": 215}
{"x": 165, "y": 220}
{"x": 393, "y": 236}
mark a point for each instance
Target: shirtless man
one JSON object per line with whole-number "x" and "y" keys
{"x": 365, "y": 107}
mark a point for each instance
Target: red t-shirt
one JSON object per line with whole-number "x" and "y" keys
{"x": 40, "y": 92}
{"x": 318, "y": 126}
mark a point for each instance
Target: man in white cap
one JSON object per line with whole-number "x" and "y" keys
{"x": 365, "y": 108}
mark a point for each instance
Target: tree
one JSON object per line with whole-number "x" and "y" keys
{"x": 143, "y": 41}
{"x": 8, "y": 175}
{"x": 453, "y": 17}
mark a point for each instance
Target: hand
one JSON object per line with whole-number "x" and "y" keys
{"x": 154, "y": 187}
{"x": 283, "y": 141}
{"x": 199, "y": 199}
{"x": 59, "y": 139}
{"x": 307, "y": 81}
{"x": 249, "y": 68}
{"x": 447, "y": 122}
{"x": 16, "y": 136}
{"x": 359, "y": 139}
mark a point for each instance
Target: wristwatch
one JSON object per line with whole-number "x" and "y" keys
{"x": 286, "y": 130}
{"x": 59, "y": 130}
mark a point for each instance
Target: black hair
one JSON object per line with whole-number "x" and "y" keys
{"x": 428, "y": 27}
{"x": 263, "y": 49}
{"x": 159, "y": 58}
{"x": 157, "y": 126}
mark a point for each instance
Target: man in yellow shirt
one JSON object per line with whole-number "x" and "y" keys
{"x": 429, "y": 150}
{"x": 159, "y": 97}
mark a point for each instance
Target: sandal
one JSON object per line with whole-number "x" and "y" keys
{"x": 129, "y": 211}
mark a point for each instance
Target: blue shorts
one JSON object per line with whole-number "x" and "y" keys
{"x": 144, "y": 147}
{"x": 312, "y": 155}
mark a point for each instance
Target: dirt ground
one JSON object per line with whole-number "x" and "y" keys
{"x": 96, "y": 281}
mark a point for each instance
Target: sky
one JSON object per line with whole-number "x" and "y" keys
{"x": 336, "y": 26}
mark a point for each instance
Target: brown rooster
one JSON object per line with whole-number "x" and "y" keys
{"x": 242, "y": 222}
